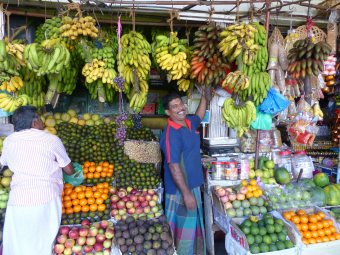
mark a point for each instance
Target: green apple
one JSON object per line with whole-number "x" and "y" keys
{"x": 252, "y": 174}
{"x": 258, "y": 173}
{"x": 252, "y": 163}
{"x": 272, "y": 181}
{"x": 266, "y": 174}
{"x": 265, "y": 180}
{"x": 269, "y": 164}
{"x": 271, "y": 172}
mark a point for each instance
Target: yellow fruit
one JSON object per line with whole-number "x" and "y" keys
{"x": 244, "y": 183}
{"x": 253, "y": 182}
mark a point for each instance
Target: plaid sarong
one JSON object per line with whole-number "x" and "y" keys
{"x": 187, "y": 226}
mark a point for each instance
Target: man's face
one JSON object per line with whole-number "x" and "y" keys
{"x": 177, "y": 110}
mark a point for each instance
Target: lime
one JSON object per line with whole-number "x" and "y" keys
{"x": 247, "y": 223}
{"x": 261, "y": 223}
{"x": 269, "y": 221}
{"x": 254, "y": 249}
{"x": 254, "y": 231}
{"x": 258, "y": 239}
{"x": 250, "y": 239}
{"x": 280, "y": 245}
{"x": 272, "y": 247}
{"x": 274, "y": 237}
{"x": 267, "y": 239}
{"x": 263, "y": 231}
{"x": 284, "y": 231}
{"x": 289, "y": 244}
{"x": 245, "y": 230}
{"x": 264, "y": 247}
{"x": 281, "y": 236}
{"x": 278, "y": 228}
{"x": 279, "y": 222}
{"x": 270, "y": 229}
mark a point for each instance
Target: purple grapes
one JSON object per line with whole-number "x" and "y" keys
{"x": 137, "y": 121}
{"x": 119, "y": 80}
{"x": 120, "y": 135}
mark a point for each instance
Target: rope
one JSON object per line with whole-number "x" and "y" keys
{"x": 238, "y": 11}
{"x": 173, "y": 15}
{"x": 133, "y": 16}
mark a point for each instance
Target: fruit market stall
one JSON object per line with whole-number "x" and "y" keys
{"x": 272, "y": 172}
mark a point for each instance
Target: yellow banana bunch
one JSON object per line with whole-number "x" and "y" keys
{"x": 171, "y": 55}
{"x": 73, "y": 28}
{"x": 14, "y": 84}
{"x": 16, "y": 50}
{"x": 94, "y": 70}
{"x": 183, "y": 84}
{"x": 137, "y": 102}
{"x": 235, "y": 38}
{"x": 10, "y": 103}
{"x": 238, "y": 117}
{"x": 236, "y": 81}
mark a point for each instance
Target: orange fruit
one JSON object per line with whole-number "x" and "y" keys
{"x": 66, "y": 198}
{"x": 96, "y": 175}
{"x": 85, "y": 170}
{"x": 304, "y": 226}
{"x": 312, "y": 240}
{"x": 244, "y": 183}
{"x": 325, "y": 224}
{"x": 92, "y": 164}
{"x": 321, "y": 232}
{"x": 321, "y": 215}
{"x": 78, "y": 189}
{"x": 305, "y": 240}
{"x": 97, "y": 194}
{"x": 320, "y": 225}
{"x": 101, "y": 207}
{"x": 100, "y": 185}
{"x": 111, "y": 166}
{"x": 81, "y": 195}
{"x": 77, "y": 208}
{"x": 105, "y": 169}
{"x": 67, "y": 204}
{"x": 103, "y": 174}
{"x": 330, "y": 222}
{"x": 332, "y": 229}
{"x": 67, "y": 191}
{"x": 325, "y": 239}
{"x": 307, "y": 234}
{"x": 249, "y": 194}
{"x": 75, "y": 202}
{"x": 93, "y": 208}
{"x": 312, "y": 219}
{"x": 332, "y": 237}
{"x": 67, "y": 185}
{"x": 304, "y": 219}
{"x": 88, "y": 193}
{"x": 319, "y": 239}
{"x": 92, "y": 169}
{"x": 106, "y": 164}
{"x": 315, "y": 234}
{"x": 313, "y": 226}
{"x": 99, "y": 169}
{"x": 99, "y": 201}
{"x": 298, "y": 226}
{"x": 74, "y": 195}
{"x": 90, "y": 175}
{"x": 87, "y": 164}
{"x": 104, "y": 196}
{"x": 83, "y": 202}
{"x": 327, "y": 231}
{"x": 295, "y": 219}
{"x": 287, "y": 215}
{"x": 105, "y": 185}
{"x": 91, "y": 200}
{"x": 337, "y": 236}
{"x": 85, "y": 208}
{"x": 69, "y": 210}
{"x": 300, "y": 212}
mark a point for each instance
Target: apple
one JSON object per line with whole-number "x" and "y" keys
{"x": 59, "y": 248}
{"x": 88, "y": 248}
{"x": 74, "y": 233}
{"x": 107, "y": 243}
{"x": 133, "y": 198}
{"x": 129, "y": 204}
{"x": 221, "y": 192}
{"x": 113, "y": 190}
{"x": 113, "y": 205}
{"x": 133, "y": 192}
{"x": 154, "y": 209}
{"x": 122, "y": 212}
{"x": 85, "y": 222}
{"x": 69, "y": 243}
{"x": 122, "y": 193}
{"x": 61, "y": 239}
{"x": 129, "y": 189}
{"x": 104, "y": 224}
{"x": 141, "y": 199}
{"x": 147, "y": 209}
{"x": 150, "y": 216}
{"x": 158, "y": 214}
{"x": 107, "y": 251}
{"x": 118, "y": 217}
{"x": 148, "y": 197}
{"x": 114, "y": 212}
{"x": 99, "y": 253}
{"x": 98, "y": 247}
{"x": 84, "y": 231}
{"x": 109, "y": 233}
{"x": 155, "y": 197}
{"x": 138, "y": 193}
{"x": 121, "y": 205}
{"x": 93, "y": 231}
{"x": 90, "y": 240}
{"x": 77, "y": 249}
{"x": 100, "y": 238}
{"x": 145, "y": 203}
{"x": 68, "y": 251}
{"x": 152, "y": 203}
{"x": 224, "y": 199}
{"x": 114, "y": 198}
{"x": 64, "y": 230}
{"x": 124, "y": 217}
{"x": 131, "y": 210}
{"x": 81, "y": 240}
{"x": 96, "y": 225}
{"x": 125, "y": 199}
{"x": 139, "y": 210}
{"x": 101, "y": 231}
{"x": 151, "y": 192}
{"x": 136, "y": 204}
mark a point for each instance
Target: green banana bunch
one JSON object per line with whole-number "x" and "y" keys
{"x": 170, "y": 54}
{"x": 261, "y": 35}
{"x": 10, "y": 103}
{"x": 236, "y": 81}
{"x": 9, "y": 65}
{"x": 238, "y": 117}
{"x": 236, "y": 37}
{"x": 46, "y": 60}
{"x": 98, "y": 91}
{"x": 50, "y": 29}
{"x": 259, "y": 84}
{"x": 260, "y": 62}
{"x": 137, "y": 101}
{"x": 33, "y": 84}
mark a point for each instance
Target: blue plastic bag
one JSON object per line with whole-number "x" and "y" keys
{"x": 274, "y": 103}
{"x": 263, "y": 121}
{"x": 77, "y": 178}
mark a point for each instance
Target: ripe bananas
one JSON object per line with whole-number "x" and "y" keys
{"x": 184, "y": 84}
{"x": 10, "y": 103}
{"x": 17, "y": 51}
{"x": 236, "y": 81}
{"x": 238, "y": 117}
{"x": 171, "y": 55}
{"x": 14, "y": 84}
{"x": 137, "y": 102}
{"x": 73, "y": 28}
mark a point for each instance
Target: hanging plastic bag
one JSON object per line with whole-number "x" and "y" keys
{"x": 77, "y": 178}
{"x": 263, "y": 121}
{"x": 274, "y": 103}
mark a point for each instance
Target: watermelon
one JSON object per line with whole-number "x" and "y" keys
{"x": 332, "y": 194}
{"x": 321, "y": 180}
{"x": 307, "y": 183}
{"x": 318, "y": 196}
{"x": 282, "y": 176}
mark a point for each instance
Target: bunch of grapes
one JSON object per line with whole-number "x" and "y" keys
{"x": 137, "y": 121}
{"x": 120, "y": 135}
{"x": 119, "y": 80}
{"x": 121, "y": 118}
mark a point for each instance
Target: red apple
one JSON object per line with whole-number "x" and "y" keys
{"x": 139, "y": 210}
{"x": 85, "y": 222}
{"x": 109, "y": 233}
{"x": 113, "y": 190}
{"x": 118, "y": 217}
{"x": 125, "y": 199}
{"x": 114, "y": 198}
{"x": 93, "y": 231}
{"x": 100, "y": 238}
{"x": 133, "y": 198}
{"x": 151, "y": 192}
{"x": 145, "y": 204}
{"x": 90, "y": 240}
{"x": 77, "y": 249}
{"x": 114, "y": 212}
{"x": 98, "y": 247}
{"x": 59, "y": 248}
{"x": 124, "y": 217}
{"x": 68, "y": 251}
{"x": 147, "y": 209}
{"x": 133, "y": 192}
{"x": 69, "y": 243}
{"x": 148, "y": 197}
{"x": 122, "y": 193}
{"x": 88, "y": 248}
{"x": 144, "y": 193}
{"x": 129, "y": 204}
{"x": 122, "y": 212}
{"x": 61, "y": 239}
{"x": 107, "y": 251}
{"x": 101, "y": 231}
{"x": 64, "y": 230}
{"x": 84, "y": 231}
{"x": 104, "y": 224}
{"x": 136, "y": 204}
{"x": 74, "y": 233}
{"x": 81, "y": 240}
{"x": 121, "y": 205}
{"x": 155, "y": 197}
{"x": 96, "y": 225}
{"x": 107, "y": 243}
{"x": 131, "y": 210}
{"x": 138, "y": 193}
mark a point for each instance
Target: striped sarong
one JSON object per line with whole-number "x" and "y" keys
{"x": 186, "y": 225}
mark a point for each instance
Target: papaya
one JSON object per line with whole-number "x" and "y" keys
{"x": 332, "y": 194}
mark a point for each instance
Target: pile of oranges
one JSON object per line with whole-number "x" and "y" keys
{"x": 314, "y": 228}
{"x": 93, "y": 171}
{"x": 85, "y": 199}
{"x": 253, "y": 190}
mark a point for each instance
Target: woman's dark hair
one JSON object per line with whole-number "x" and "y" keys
{"x": 23, "y": 117}
{"x": 168, "y": 98}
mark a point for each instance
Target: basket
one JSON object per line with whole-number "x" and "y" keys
{"x": 319, "y": 35}
{"x": 143, "y": 151}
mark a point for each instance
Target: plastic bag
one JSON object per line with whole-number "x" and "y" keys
{"x": 302, "y": 129}
{"x": 280, "y": 79}
{"x": 303, "y": 106}
{"x": 77, "y": 178}
{"x": 263, "y": 121}
{"x": 274, "y": 103}
{"x": 273, "y": 55}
